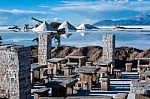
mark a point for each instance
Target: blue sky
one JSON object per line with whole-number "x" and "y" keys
{"x": 19, "y": 12}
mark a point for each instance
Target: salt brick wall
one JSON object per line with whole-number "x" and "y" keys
{"x": 140, "y": 88}
{"x": 108, "y": 48}
{"x": 44, "y": 48}
{"x": 15, "y": 72}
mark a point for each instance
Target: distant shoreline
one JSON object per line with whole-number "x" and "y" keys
{"x": 129, "y": 27}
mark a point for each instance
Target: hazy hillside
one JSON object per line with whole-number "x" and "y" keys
{"x": 138, "y": 20}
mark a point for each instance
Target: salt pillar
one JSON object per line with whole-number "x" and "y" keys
{"x": 68, "y": 70}
{"x": 105, "y": 84}
{"x": 36, "y": 96}
{"x": 55, "y": 69}
{"x": 108, "y": 55}
{"x": 44, "y": 48}
{"x": 128, "y": 67}
{"x": 80, "y": 62}
{"x": 121, "y": 96}
{"x": 138, "y": 66}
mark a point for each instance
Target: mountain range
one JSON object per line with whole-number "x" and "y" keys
{"x": 137, "y": 20}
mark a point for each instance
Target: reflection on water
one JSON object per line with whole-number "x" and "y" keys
{"x": 138, "y": 39}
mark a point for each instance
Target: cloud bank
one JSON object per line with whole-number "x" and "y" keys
{"x": 76, "y": 11}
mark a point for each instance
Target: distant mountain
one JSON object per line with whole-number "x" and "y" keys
{"x": 138, "y": 20}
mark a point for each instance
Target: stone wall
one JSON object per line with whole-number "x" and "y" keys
{"x": 140, "y": 87}
{"x": 108, "y": 55}
{"x": 44, "y": 48}
{"x": 86, "y": 80}
{"x": 15, "y": 71}
{"x": 140, "y": 96}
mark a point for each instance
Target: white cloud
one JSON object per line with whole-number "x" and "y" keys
{"x": 76, "y": 3}
{"x": 103, "y": 5}
{"x": 97, "y": 7}
{"x": 140, "y": 6}
{"x": 43, "y": 6}
{"x": 17, "y": 11}
{"x": 140, "y": 0}
{"x": 89, "y": 21}
{"x": 56, "y": 19}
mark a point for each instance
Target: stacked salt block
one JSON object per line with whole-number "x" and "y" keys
{"x": 15, "y": 70}
{"x": 128, "y": 67}
{"x": 44, "y": 48}
{"x": 117, "y": 73}
{"x": 105, "y": 84}
{"x": 108, "y": 55}
{"x": 121, "y": 96}
{"x": 140, "y": 87}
